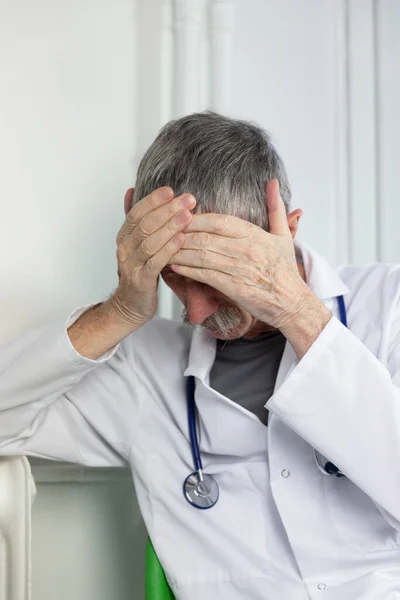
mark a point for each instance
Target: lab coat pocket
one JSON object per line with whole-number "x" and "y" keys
{"x": 356, "y": 517}
{"x": 223, "y": 543}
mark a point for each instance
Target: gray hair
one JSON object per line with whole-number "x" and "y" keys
{"x": 225, "y": 163}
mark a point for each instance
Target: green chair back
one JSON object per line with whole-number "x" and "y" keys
{"x": 157, "y": 587}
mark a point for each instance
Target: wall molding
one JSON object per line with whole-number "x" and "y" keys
{"x": 339, "y": 198}
{"x": 187, "y": 17}
{"x": 387, "y": 125}
{"x": 362, "y": 128}
{"x": 221, "y": 56}
{"x": 377, "y": 83}
{"x": 45, "y": 471}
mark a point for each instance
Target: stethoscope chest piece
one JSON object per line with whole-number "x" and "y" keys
{"x": 201, "y": 493}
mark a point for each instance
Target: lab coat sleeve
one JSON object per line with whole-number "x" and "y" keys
{"x": 57, "y": 404}
{"x": 346, "y": 404}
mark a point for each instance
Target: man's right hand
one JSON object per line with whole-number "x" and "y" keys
{"x": 150, "y": 236}
{"x": 147, "y": 241}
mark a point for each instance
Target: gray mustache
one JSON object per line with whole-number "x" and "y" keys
{"x": 226, "y": 319}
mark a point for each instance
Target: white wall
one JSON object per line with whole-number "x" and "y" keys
{"x": 387, "y": 24}
{"x": 67, "y": 141}
{"x": 85, "y": 86}
{"x": 67, "y": 148}
{"x": 88, "y": 537}
{"x": 289, "y": 77}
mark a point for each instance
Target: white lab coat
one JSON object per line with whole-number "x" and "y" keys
{"x": 281, "y": 529}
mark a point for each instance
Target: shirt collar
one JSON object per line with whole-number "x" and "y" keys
{"x": 321, "y": 278}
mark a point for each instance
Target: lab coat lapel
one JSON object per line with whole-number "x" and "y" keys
{"x": 321, "y": 277}
{"x": 225, "y": 428}
{"x": 288, "y": 362}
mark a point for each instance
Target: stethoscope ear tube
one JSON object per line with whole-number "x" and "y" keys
{"x": 325, "y": 466}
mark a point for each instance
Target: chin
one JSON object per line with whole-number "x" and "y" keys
{"x": 220, "y": 336}
{"x": 234, "y": 334}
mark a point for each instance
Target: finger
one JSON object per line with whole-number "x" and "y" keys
{"x": 225, "y": 225}
{"x": 162, "y": 215}
{"x": 149, "y": 203}
{"x": 155, "y": 219}
{"x": 128, "y": 199}
{"x": 152, "y": 244}
{"x": 277, "y": 219}
{"x": 142, "y": 208}
{"x": 142, "y": 249}
{"x": 158, "y": 261}
{"x": 217, "y": 243}
{"x": 205, "y": 259}
{"x": 223, "y": 282}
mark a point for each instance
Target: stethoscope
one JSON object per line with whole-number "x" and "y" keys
{"x": 200, "y": 489}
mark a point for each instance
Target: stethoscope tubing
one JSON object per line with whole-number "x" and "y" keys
{"x": 191, "y": 410}
{"x": 342, "y": 310}
{"x": 327, "y": 469}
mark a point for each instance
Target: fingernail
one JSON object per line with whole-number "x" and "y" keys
{"x": 187, "y": 201}
{"x": 166, "y": 193}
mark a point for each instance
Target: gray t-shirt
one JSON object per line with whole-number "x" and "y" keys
{"x": 245, "y": 370}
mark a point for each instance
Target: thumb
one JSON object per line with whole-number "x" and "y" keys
{"x": 277, "y": 220}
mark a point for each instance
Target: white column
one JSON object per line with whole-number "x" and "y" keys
{"x": 154, "y": 70}
{"x": 339, "y": 196}
{"x": 180, "y": 77}
{"x": 17, "y": 493}
{"x": 154, "y": 77}
{"x": 186, "y": 24}
{"x": 221, "y": 37}
{"x": 362, "y": 131}
{"x": 387, "y": 61}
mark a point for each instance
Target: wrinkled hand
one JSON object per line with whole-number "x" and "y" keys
{"x": 254, "y": 268}
{"x": 146, "y": 242}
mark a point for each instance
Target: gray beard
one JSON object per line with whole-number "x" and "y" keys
{"x": 223, "y": 322}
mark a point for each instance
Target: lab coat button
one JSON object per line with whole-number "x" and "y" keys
{"x": 285, "y": 473}
{"x": 322, "y": 586}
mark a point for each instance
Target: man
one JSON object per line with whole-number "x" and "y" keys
{"x": 285, "y": 392}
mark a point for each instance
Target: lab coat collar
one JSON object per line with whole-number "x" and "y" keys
{"x": 202, "y": 353}
{"x": 322, "y": 279}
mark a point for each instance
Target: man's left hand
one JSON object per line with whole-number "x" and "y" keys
{"x": 255, "y": 269}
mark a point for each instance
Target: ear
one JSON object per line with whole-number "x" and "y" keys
{"x": 293, "y": 219}
{"x": 128, "y": 200}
